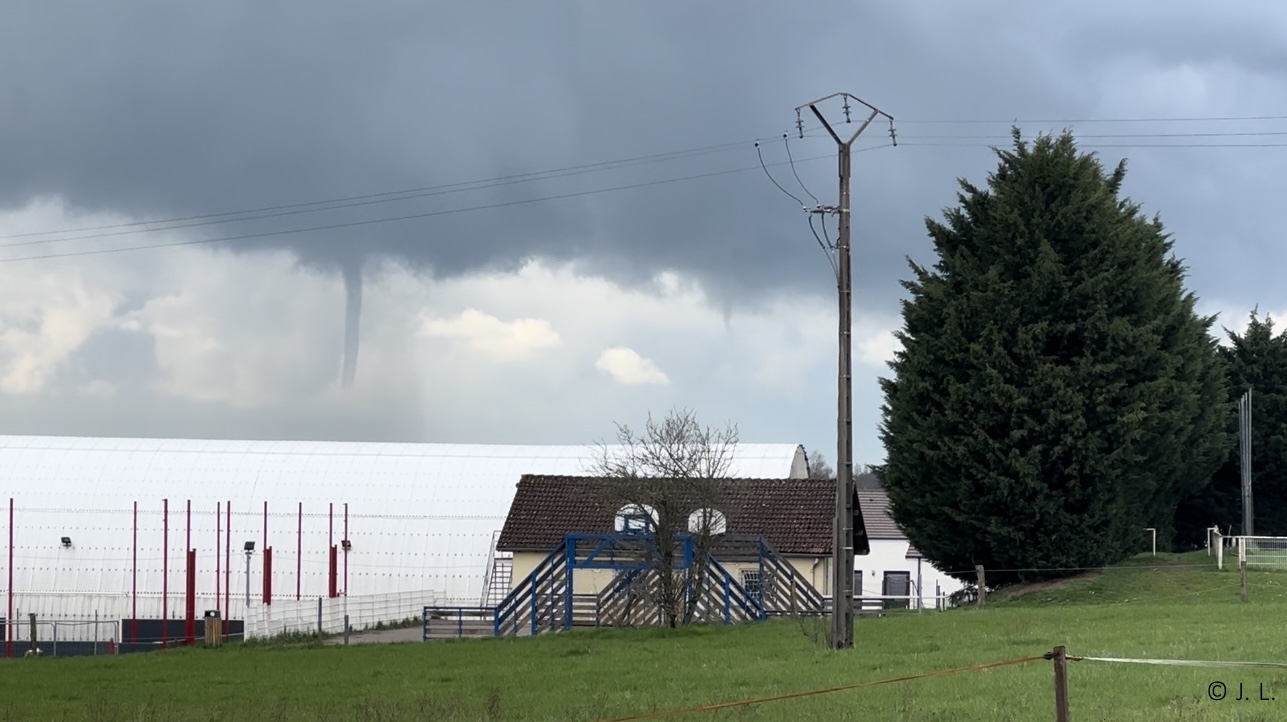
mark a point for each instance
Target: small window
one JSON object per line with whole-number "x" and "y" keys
{"x": 751, "y": 580}
{"x": 707, "y": 521}
{"x": 636, "y": 517}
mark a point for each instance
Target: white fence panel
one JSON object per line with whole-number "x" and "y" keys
{"x": 365, "y": 611}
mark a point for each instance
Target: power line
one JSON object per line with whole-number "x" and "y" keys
{"x": 336, "y": 203}
{"x": 774, "y": 181}
{"x": 1112, "y": 145}
{"x": 354, "y": 201}
{"x": 372, "y": 198}
{"x": 911, "y": 141}
{"x": 1194, "y": 119}
{"x": 489, "y": 182}
{"x": 414, "y": 216}
{"x": 786, "y": 143}
{"x": 451, "y": 211}
{"x": 1243, "y": 134}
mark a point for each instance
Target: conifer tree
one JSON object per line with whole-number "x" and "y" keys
{"x": 1255, "y": 360}
{"x": 1055, "y": 393}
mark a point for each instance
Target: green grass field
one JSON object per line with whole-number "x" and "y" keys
{"x": 1170, "y": 608}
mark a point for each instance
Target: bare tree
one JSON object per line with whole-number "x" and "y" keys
{"x": 670, "y": 470}
{"x": 818, "y": 466}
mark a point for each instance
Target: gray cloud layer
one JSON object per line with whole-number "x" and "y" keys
{"x": 142, "y": 108}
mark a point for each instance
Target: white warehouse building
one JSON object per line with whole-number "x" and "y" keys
{"x": 100, "y": 528}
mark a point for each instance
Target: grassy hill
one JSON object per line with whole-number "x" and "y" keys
{"x": 1169, "y": 607}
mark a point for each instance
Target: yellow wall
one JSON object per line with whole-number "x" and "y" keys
{"x": 814, "y": 574}
{"x": 592, "y": 581}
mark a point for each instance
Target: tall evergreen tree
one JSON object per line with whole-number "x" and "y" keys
{"x": 1255, "y": 360}
{"x": 1055, "y": 393}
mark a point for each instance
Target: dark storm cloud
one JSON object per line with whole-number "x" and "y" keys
{"x": 143, "y": 108}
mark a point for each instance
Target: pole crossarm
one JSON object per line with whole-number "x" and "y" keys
{"x": 875, "y": 112}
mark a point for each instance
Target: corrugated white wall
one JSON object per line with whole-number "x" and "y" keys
{"x": 420, "y": 516}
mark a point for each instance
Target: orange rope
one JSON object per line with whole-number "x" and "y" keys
{"x": 811, "y": 693}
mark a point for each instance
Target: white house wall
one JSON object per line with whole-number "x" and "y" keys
{"x": 890, "y": 555}
{"x": 420, "y": 517}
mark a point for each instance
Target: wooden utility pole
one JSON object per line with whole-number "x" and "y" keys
{"x": 842, "y": 556}
{"x": 1244, "y": 439}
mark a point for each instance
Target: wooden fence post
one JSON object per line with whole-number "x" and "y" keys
{"x": 1242, "y": 578}
{"x": 1060, "y": 657}
{"x": 982, "y": 584}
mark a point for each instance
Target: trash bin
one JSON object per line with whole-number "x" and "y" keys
{"x": 214, "y": 628}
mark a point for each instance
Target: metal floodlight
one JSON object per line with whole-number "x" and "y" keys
{"x": 250, "y": 546}
{"x": 346, "y": 544}
{"x": 66, "y": 541}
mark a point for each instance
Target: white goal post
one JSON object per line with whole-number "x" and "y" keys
{"x": 1266, "y": 552}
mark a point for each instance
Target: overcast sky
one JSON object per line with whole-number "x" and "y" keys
{"x": 553, "y": 214}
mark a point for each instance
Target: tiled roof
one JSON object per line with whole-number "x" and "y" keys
{"x": 795, "y": 515}
{"x": 875, "y": 515}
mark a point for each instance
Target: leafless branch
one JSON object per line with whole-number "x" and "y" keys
{"x": 673, "y": 468}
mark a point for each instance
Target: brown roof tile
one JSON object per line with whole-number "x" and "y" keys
{"x": 875, "y": 515}
{"x": 795, "y": 515}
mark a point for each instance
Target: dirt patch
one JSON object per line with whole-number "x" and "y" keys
{"x": 1023, "y": 588}
{"x": 1167, "y": 564}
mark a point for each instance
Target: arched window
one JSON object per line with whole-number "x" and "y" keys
{"x": 707, "y": 520}
{"x": 636, "y": 517}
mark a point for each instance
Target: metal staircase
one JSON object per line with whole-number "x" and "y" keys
{"x": 499, "y": 574}
{"x": 546, "y": 599}
{"x": 540, "y": 602}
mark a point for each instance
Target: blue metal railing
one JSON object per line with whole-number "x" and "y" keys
{"x": 528, "y": 592}
{"x": 534, "y": 601}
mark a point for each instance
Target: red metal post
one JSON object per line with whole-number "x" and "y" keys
{"x": 134, "y": 583}
{"x": 190, "y": 629}
{"x": 299, "y": 550}
{"x": 8, "y": 620}
{"x": 165, "y": 575}
{"x": 268, "y": 575}
{"x": 265, "y": 525}
{"x": 332, "y": 572}
{"x": 218, "y": 543}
